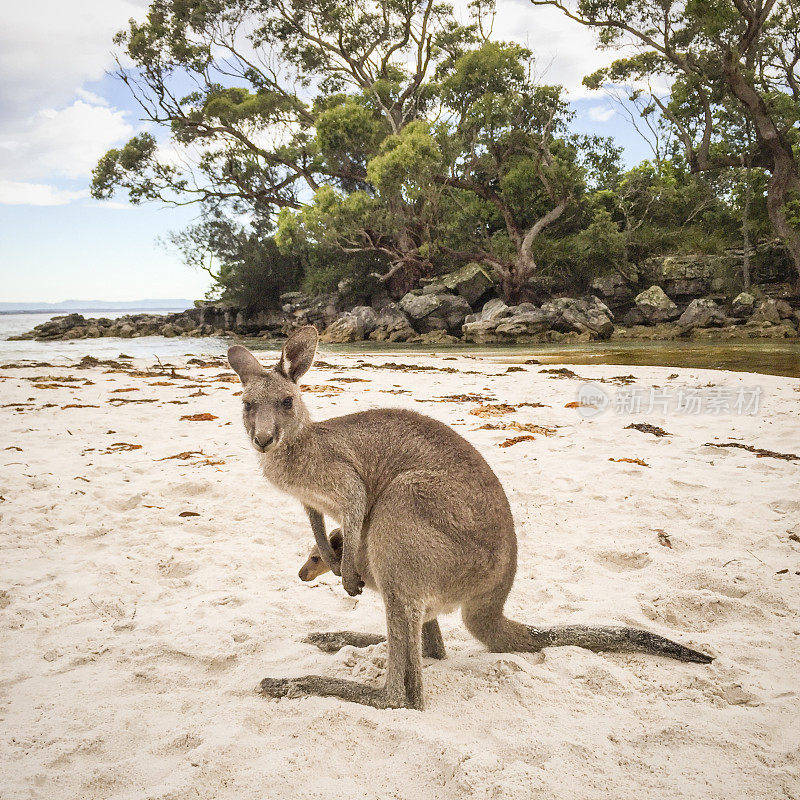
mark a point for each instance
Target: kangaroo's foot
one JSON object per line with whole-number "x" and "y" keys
{"x": 333, "y": 687}
{"x": 333, "y": 641}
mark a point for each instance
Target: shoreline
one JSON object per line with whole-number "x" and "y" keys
{"x": 761, "y": 356}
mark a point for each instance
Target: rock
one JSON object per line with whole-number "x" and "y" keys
{"x": 702, "y": 312}
{"x": 767, "y": 311}
{"x": 392, "y": 325}
{"x": 126, "y": 330}
{"x": 481, "y": 331}
{"x": 471, "y": 281}
{"x": 611, "y": 286}
{"x": 743, "y": 305}
{"x": 588, "y": 315}
{"x": 435, "y": 337}
{"x": 453, "y": 310}
{"x": 418, "y": 306}
{"x": 655, "y": 306}
{"x": 347, "y": 327}
{"x": 168, "y": 330}
{"x": 495, "y": 309}
{"x": 773, "y": 311}
{"x": 663, "y": 330}
{"x": 528, "y": 323}
{"x": 635, "y": 317}
{"x": 434, "y": 288}
{"x": 368, "y": 317}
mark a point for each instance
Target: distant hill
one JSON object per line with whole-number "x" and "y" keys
{"x": 69, "y": 306}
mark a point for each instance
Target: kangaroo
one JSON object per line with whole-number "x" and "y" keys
{"x": 424, "y": 520}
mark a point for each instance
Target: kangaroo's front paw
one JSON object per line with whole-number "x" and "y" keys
{"x": 351, "y": 580}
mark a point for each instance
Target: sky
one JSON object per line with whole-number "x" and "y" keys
{"x": 61, "y": 110}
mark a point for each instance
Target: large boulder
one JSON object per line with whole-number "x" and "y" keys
{"x": 392, "y": 325}
{"x": 481, "y": 331}
{"x": 453, "y": 310}
{"x": 495, "y": 309}
{"x": 772, "y": 311}
{"x": 418, "y": 306}
{"x": 612, "y": 286}
{"x": 654, "y": 306}
{"x": 347, "y": 327}
{"x": 702, "y": 312}
{"x": 587, "y": 315}
{"x": 368, "y": 317}
{"x": 526, "y": 323}
{"x": 436, "y": 312}
{"x": 471, "y": 281}
{"x": 743, "y": 305}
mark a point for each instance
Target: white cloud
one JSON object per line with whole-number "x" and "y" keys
{"x": 63, "y": 143}
{"x": 565, "y": 51}
{"x": 52, "y": 128}
{"x": 601, "y": 113}
{"x": 36, "y": 194}
{"x": 49, "y": 49}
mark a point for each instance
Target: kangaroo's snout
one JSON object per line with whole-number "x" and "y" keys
{"x": 263, "y": 440}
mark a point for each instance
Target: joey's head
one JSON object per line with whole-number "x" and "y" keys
{"x": 315, "y": 565}
{"x": 272, "y": 408}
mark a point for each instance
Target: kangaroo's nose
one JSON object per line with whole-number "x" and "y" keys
{"x": 263, "y": 439}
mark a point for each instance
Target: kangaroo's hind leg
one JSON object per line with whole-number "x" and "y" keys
{"x": 432, "y": 642}
{"x": 403, "y": 686}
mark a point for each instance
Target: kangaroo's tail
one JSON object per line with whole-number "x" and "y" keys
{"x": 502, "y": 635}
{"x": 614, "y": 639}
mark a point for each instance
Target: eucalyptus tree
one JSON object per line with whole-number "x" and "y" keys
{"x": 267, "y": 101}
{"x": 714, "y": 56}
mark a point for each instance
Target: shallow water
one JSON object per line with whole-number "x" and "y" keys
{"x": 766, "y": 356}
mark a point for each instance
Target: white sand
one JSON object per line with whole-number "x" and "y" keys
{"x": 132, "y": 638}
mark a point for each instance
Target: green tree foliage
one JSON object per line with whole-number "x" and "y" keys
{"x": 727, "y": 62}
{"x": 378, "y": 141}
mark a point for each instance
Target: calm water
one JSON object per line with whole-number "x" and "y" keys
{"x": 772, "y": 357}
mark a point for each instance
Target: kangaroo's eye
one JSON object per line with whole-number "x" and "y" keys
{"x": 248, "y": 406}
{"x": 315, "y": 559}
{"x": 287, "y": 403}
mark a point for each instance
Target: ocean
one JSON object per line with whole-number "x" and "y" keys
{"x": 63, "y": 351}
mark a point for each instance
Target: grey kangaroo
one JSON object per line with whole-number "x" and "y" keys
{"x": 424, "y": 521}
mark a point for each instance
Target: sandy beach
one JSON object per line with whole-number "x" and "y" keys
{"x": 149, "y": 581}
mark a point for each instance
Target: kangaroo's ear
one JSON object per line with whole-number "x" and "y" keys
{"x": 244, "y": 363}
{"x": 298, "y": 353}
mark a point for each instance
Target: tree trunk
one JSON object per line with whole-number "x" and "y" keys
{"x": 785, "y": 174}
{"x": 748, "y": 195}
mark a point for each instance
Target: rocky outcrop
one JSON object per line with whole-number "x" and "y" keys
{"x": 432, "y": 312}
{"x": 743, "y": 305}
{"x": 472, "y": 282}
{"x": 702, "y": 312}
{"x": 587, "y": 315}
{"x": 351, "y": 326}
{"x": 498, "y": 322}
{"x": 392, "y": 325}
{"x": 651, "y": 307}
{"x": 772, "y": 311}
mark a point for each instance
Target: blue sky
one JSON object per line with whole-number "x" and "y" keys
{"x": 60, "y": 113}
